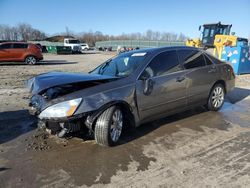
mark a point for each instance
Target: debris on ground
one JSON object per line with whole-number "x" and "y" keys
{"x": 38, "y": 141}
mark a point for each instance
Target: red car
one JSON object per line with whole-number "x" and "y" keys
{"x": 20, "y": 51}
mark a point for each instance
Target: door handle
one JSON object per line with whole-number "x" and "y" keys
{"x": 180, "y": 79}
{"x": 212, "y": 70}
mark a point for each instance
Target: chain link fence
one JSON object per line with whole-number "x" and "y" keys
{"x": 137, "y": 43}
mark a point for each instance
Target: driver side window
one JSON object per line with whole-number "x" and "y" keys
{"x": 162, "y": 64}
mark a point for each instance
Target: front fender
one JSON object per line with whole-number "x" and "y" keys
{"x": 128, "y": 110}
{"x": 96, "y": 101}
{"x": 96, "y": 104}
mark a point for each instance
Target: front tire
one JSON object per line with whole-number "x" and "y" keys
{"x": 108, "y": 126}
{"x": 30, "y": 60}
{"x": 216, "y": 97}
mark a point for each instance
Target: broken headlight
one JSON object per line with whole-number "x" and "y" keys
{"x": 63, "y": 109}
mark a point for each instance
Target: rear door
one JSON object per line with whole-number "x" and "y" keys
{"x": 166, "y": 86}
{"x": 200, "y": 75}
{"x": 18, "y": 50}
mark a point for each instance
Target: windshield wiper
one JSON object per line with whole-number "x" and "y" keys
{"x": 116, "y": 70}
{"x": 104, "y": 66}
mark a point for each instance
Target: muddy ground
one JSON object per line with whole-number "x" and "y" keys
{"x": 196, "y": 148}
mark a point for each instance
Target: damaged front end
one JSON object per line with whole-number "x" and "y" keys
{"x": 59, "y": 118}
{"x": 55, "y": 106}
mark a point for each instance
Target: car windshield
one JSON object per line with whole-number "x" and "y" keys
{"x": 120, "y": 66}
{"x": 74, "y": 41}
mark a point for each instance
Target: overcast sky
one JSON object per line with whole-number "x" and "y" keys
{"x": 126, "y": 16}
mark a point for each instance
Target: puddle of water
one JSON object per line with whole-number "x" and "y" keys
{"x": 226, "y": 105}
{"x": 238, "y": 113}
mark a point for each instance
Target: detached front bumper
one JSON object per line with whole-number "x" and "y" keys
{"x": 62, "y": 127}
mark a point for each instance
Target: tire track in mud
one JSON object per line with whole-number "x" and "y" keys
{"x": 191, "y": 164}
{"x": 213, "y": 155}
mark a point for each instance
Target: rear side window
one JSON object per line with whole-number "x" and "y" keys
{"x": 5, "y": 46}
{"x": 164, "y": 63}
{"x": 191, "y": 58}
{"x": 208, "y": 61}
{"x": 20, "y": 46}
{"x": 214, "y": 59}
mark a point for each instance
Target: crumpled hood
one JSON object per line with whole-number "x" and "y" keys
{"x": 52, "y": 79}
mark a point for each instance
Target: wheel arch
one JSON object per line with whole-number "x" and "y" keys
{"x": 27, "y": 55}
{"x": 222, "y": 82}
{"x": 208, "y": 104}
{"x": 217, "y": 82}
{"x": 126, "y": 109}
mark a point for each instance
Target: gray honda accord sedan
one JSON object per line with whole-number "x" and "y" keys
{"x": 130, "y": 89}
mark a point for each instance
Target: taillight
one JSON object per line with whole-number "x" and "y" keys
{"x": 231, "y": 71}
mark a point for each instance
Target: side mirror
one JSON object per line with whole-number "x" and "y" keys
{"x": 199, "y": 27}
{"x": 148, "y": 83}
{"x": 148, "y": 86}
{"x": 144, "y": 76}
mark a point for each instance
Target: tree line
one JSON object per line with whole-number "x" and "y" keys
{"x": 25, "y": 32}
{"x": 21, "y": 32}
{"x": 92, "y": 37}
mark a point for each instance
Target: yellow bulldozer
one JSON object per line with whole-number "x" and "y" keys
{"x": 215, "y": 36}
{"x": 226, "y": 46}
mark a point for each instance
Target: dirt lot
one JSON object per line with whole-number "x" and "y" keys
{"x": 196, "y": 148}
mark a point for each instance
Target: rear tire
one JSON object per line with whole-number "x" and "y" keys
{"x": 30, "y": 60}
{"x": 108, "y": 126}
{"x": 216, "y": 97}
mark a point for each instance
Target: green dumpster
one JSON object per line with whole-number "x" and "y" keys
{"x": 59, "y": 49}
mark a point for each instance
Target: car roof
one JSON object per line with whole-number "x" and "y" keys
{"x": 14, "y": 43}
{"x": 161, "y": 49}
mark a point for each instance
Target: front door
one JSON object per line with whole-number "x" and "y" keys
{"x": 161, "y": 88}
{"x": 5, "y": 54}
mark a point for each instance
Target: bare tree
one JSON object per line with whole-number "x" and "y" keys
{"x": 26, "y": 32}
{"x": 182, "y": 37}
{"x": 149, "y": 34}
{"x": 23, "y": 32}
{"x": 92, "y": 37}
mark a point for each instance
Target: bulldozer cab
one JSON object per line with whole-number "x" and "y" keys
{"x": 209, "y": 32}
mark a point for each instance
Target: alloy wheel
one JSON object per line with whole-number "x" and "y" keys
{"x": 31, "y": 60}
{"x": 218, "y": 97}
{"x": 116, "y": 125}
